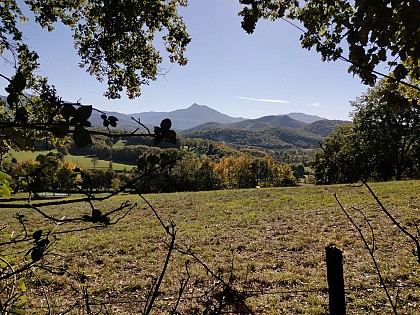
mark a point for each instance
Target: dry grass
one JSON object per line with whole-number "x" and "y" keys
{"x": 274, "y": 239}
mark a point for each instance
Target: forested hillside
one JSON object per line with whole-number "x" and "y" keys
{"x": 323, "y": 127}
{"x": 274, "y": 138}
{"x": 268, "y": 132}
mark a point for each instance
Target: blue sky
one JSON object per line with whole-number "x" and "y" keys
{"x": 266, "y": 73}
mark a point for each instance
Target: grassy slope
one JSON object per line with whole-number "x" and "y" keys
{"x": 82, "y": 161}
{"x": 276, "y": 238}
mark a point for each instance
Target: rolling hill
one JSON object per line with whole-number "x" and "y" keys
{"x": 323, "y": 127}
{"x": 268, "y": 132}
{"x": 273, "y": 138}
{"x": 305, "y": 117}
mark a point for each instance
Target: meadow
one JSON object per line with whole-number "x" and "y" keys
{"x": 269, "y": 244}
{"x": 84, "y": 162}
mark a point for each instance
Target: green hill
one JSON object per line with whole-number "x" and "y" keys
{"x": 270, "y": 138}
{"x": 268, "y": 132}
{"x": 323, "y": 127}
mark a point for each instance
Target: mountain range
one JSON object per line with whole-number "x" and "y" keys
{"x": 200, "y": 121}
{"x": 294, "y": 130}
{"x": 197, "y": 115}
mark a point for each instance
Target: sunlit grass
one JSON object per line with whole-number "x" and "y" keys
{"x": 274, "y": 239}
{"x": 82, "y": 161}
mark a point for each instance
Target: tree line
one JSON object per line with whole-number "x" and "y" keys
{"x": 165, "y": 170}
{"x": 381, "y": 143}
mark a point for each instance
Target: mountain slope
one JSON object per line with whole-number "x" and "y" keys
{"x": 264, "y": 122}
{"x": 323, "y": 127}
{"x": 268, "y": 122}
{"x": 305, "y": 117}
{"x": 271, "y": 138}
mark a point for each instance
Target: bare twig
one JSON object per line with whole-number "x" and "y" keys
{"x": 150, "y": 304}
{"x": 182, "y": 286}
{"x": 397, "y": 224}
{"x": 43, "y": 291}
{"x": 371, "y": 253}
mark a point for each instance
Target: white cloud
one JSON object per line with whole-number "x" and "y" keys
{"x": 316, "y": 104}
{"x": 263, "y": 100}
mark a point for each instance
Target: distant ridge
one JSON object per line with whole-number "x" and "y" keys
{"x": 200, "y": 117}
{"x": 305, "y": 117}
{"x": 268, "y": 132}
{"x": 269, "y": 121}
{"x": 273, "y": 138}
{"x": 188, "y": 117}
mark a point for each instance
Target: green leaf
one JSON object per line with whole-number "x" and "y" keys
{"x": 153, "y": 160}
{"x": 81, "y": 137}
{"x": 42, "y": 159}
{"x": 37, "y": 235}
{"x": 19, "y": 82}
{"x": 83, "y": 112}
{"x": 12, "y": 99}
{"x": 5, "y": 190}
{"x": 400, "y": 72}
{"x": 18, "y": 311}
{"x": 45, "y": 170}
{"x": 2, "y": 264}
{"x": 113, "y": 121}
{"x": 68, "y": 111}
{"x": 170, "y": 136}
{"x": 158, "y": 130}
{"x": 60, "y": 130}
{"x": 22, "y": 285}
{"x": 166, "y": 124}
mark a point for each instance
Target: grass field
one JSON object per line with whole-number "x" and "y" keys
{"x": 83, "y": 161}
{"x": 268, "y": 242}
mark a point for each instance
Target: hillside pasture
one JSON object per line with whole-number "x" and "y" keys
{"x": 268, "y": 243}
{"x": 84, "y": 162}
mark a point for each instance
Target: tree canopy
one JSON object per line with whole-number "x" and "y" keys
{"x": 370, "y": 35}
{"x": 382, "y": 143}
{"x": 114, "y": 39}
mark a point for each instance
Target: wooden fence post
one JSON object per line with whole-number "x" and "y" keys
{"x": 335, "y": 277}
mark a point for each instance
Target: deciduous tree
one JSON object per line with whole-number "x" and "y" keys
{"x": 382, "y": 143}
